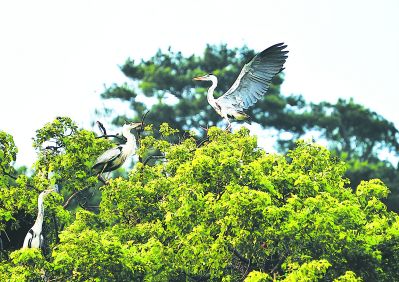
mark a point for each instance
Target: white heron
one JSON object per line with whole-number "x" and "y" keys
{"x": 250, "y": 86}
{"x": 115, "y": 157}
{"x": 34, "y": 237}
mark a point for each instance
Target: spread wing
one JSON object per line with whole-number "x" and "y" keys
{"x": 255, "y": 78}
{"x": 108, "y": 156}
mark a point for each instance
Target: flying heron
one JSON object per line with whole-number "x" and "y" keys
{"x": 250, "y": 86}
{"x": 34, "y": 238}
{"x": 115, "y": 157}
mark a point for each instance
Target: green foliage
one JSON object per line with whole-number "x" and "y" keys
{"x": 224, "y": 211}
{"x": 65, "y": 151}
{"x": 354, "y": 130}
{"x": 312, "y": 271}
{"x": 18, "y": 209}
{"x": 349, "y": 276}
{"x": 24, "y": 265}
{"x": 257, "y": 276}
{"x": 8, "y": 150}
{"x": 69, "y": 153}
{"x": 84, "y": 253}
{"x": 8, "y": 154}
{"x": 219, "y": 209}
{"x": 17, "y": 200}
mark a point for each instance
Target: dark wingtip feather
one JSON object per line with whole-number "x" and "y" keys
{"x": 274, "y": 56}
{"x": 276, "y": 48}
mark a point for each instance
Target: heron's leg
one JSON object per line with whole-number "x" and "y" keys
{"x": 228, "y": 128}
{"x": 102, "y": 179}
{"x": 205, "y": 128}
{"x": 100, "y": 176}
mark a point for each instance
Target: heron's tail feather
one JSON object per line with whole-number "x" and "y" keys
{"x": 240, "y": 115}
{"x": 248, "y": 120}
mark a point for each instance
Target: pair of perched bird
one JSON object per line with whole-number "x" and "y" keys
{"x": 251, "y": 85}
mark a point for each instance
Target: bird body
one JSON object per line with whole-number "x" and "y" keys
{"x": 34, "y": 238}
{"x": 111, "y": 159}
{"x": 114, "y": 158}
{"x": 250, "y": 86}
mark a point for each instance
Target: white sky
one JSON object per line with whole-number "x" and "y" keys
{"x": 55, "y": 56}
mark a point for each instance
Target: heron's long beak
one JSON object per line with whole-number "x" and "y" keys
{"x": 48, "y": 191}
{"x": 199, "y": 78}
{"x": 137, "y": 125}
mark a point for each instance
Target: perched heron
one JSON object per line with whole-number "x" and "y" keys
{"x": 34, "y": 238}
{"x": 115, "y": 157}
{"x": 250, "y": 86}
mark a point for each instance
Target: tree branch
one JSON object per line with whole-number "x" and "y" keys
{"x": 102, "y": 128}
{"x": 280, "y": 260}
{"x": 198, "y": 277}
{"x": 57, "y": 240}
{"x": 122, "y": 139}
{"x": 16, "y": 177}
{"x": 153, "y": 157}
{"x": 202, "y": 142}
{"x": 138, "y": 141}
{"x": 68, "y": 201}
{"x": 9, "y": 175}
{"x": 144, "y": 116}
{"x": 105, "y": 135}
{"x": 240, "y": 256}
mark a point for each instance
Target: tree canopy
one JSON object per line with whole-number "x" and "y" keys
{"x": 216, "y": 210}
{"x": 352, "y": 131}
{"x": 207, "y": 205}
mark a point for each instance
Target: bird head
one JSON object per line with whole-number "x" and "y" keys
{"x": 134, "y": 125}
{"x": 48, "y": 191}
{"x": 208, "y": 76}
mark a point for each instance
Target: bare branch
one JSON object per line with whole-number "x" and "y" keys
{"x": 120, "y": 138}
{"x": 202, "y": 142}
{"x": 68, "y": 201}
{"x": 57, "y": 239}
{"x": 102, "y": 128}
{"x": 144, "y": 116}
{"x": 105, "y": 135}
{"x": 8, "y": 238}
{"x": 240, "y": 256}
{"x": 55, "y": 148}
{"x": 138, "y": 141}
{"x": 153, "y": 157}
{"x": 280, "y": 260}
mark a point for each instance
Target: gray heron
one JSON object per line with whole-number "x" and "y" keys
{"x": 115, "y": 157}
{"x": 250, "y": 86}
{"x": 34, "y": 237}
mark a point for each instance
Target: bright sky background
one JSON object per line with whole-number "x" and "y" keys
{"x": 56, "y": 56}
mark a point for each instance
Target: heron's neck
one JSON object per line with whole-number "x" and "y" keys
{"x": 211, "y": 99}
{"x": 131, "y": 140}
{"x": 40, "y": 214}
